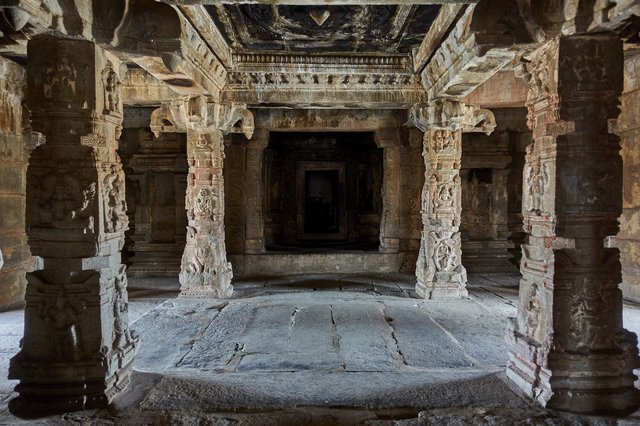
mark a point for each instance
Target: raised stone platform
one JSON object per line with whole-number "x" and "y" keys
{"x": 277, "y": 263}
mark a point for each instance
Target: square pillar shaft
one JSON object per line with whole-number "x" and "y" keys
{"x": 568, "y": 348}
{"x": 439, "y": 267}
{"x": 205, "y": 271}
{"x": 77, "y": 349}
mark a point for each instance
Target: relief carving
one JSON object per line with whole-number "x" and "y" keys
{"x": 588, "y": 308}
{"x": 444, "y": 252}
{"x": 112, "y": 90}
{"x": 445, "y": 198}
{"x": 64, "y": 316}
{"x": 64, "y": 200}
{"x": 537, "y": 182}
{"x": 60, "y": 79}
{"x": 115, "y": 205}
{"x": 123, "y": 336}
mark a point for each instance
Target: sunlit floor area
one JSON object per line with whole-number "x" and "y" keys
{"x": 326, "y": 349}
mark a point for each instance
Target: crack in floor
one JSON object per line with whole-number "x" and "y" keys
{"x": 336, "y": 339}
{"x": 474, "y": 361}
{"x": 199, "y": 335}
{"x": 392, "y": 343}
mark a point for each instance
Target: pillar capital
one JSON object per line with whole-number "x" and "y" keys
{"x": 199, "y": 113}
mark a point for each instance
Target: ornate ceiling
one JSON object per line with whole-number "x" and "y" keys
{"x": 389, "y": 29}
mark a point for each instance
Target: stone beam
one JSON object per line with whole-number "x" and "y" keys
{"x": 447, "y": 16}
{"x": 174, "y": 44}
{"x": 479, "y": 45}
{"x": 310, "y": 120}
{"x": 503, "y": 90}
{"x": 139, "y": 88}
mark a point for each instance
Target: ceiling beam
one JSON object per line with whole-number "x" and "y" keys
{"x": 320, "y": 2}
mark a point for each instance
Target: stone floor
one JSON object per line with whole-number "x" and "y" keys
{"x": 326, "y": 349}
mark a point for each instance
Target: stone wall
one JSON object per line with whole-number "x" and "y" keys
{"x": 628, "y": 239}
{"x": 15, "y": 257}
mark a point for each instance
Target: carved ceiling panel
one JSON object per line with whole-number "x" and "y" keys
{"x": 320, "y": 29}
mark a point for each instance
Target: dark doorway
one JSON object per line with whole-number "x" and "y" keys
{"x": 321, "y": 201}
{"x": 322, "y": 191}
{"x": 321, "y": 207}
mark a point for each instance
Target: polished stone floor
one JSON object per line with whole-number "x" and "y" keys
{"x": 326, "y": 349}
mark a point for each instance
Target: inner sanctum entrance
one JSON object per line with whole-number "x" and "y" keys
{"x": 322, "y": 191}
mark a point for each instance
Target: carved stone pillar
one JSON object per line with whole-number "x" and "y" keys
{"x": 439, "y": 268}
{"x": 77, "y": 349}
{"x": 568, "y": 348}
{"x": 389, "y": 141}
{"x": 205, "y": 271}
{"x": 254, "y": 225}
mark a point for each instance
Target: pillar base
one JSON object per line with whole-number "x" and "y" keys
{"x": 211, "y": 285}
{"x": 53, "y": 387}
{"x": 588, "y": 383}
{"x": 445, "y": 285}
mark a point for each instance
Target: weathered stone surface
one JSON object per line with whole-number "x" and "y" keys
{"x": 78, "y": 349}
{"x": 569, "y": 314}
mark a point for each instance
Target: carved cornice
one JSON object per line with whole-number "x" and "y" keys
{"x": 445, "y": 113}
{"x": 294, "y": 62}
{"x": 348, "y": 89}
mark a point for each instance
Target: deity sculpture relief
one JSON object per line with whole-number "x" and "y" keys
{"x": 588, "y": 307}
{"x": 205, "y": 202}
{"x": 537, "y": 181}
{"x": 533, "y": 310}
{"x": 115, "y": 212}
{"x": 64, "y": 316}
{"x": 112, "y": 89}
{"x": 445, "y": 195}
{"x": 443, "y": 140}
{"x": 63, "y": 200}
{"x": 60, "y": 79}
{"x": 123, "y": 336}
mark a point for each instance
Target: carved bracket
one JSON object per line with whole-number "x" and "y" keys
{"x": 453, "y": 114}
{"x": 197, "y": 112}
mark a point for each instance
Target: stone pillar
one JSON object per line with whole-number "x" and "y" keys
{"x": 77, "y": 349}
{"x": 439, "y": 268}
{"x": 389, "y": 141}
{"x": 15, "y": 144}
{"x": 568, "y": 348}
{"x": 254, "y": 225}
{"x": 204, "y": 269}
